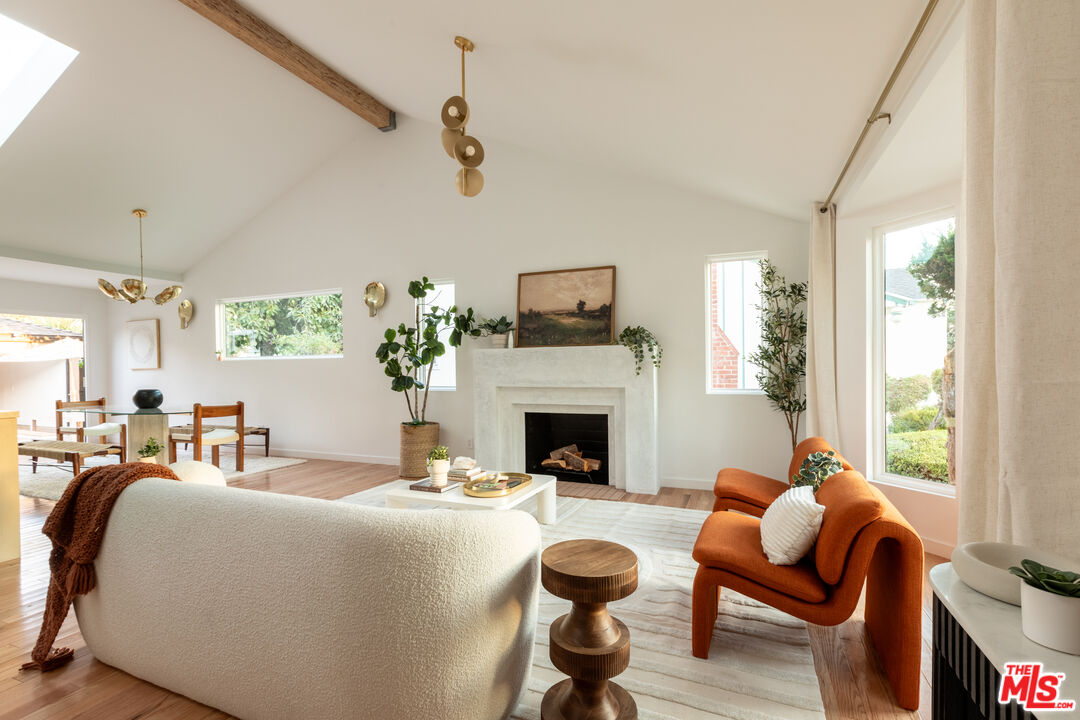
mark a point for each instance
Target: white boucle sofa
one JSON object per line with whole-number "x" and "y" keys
{"x": 275, "y": 606}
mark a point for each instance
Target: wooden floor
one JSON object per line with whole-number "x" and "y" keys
{"x": 852, "y": 684}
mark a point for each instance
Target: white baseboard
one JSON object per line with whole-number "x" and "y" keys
{"x": 342, "y": 457}
{"x": 688, "y": 483}
{"x": 936, "y": 547}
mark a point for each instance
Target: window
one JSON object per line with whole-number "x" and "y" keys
{"x": 41, "y": 361}
{"x": 734, "y": 328}
{"x": 444, "y": 371}
{"x": 281, "y": 326}
{"x": 29, "y": 65}
{"x": 915, "y": 381}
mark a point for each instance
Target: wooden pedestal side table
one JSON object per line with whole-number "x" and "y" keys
{"x": 587, "y": 643}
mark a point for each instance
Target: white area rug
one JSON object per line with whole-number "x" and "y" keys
{"x": 760, "y": 665}
{"x": 50, "y": 480}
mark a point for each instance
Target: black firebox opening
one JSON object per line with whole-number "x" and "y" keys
{"x": 545, "y": 432}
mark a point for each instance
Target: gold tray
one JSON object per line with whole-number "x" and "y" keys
{"x": 470, "y": 487}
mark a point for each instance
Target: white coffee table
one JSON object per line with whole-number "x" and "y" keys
{"x": 541, "y": 485}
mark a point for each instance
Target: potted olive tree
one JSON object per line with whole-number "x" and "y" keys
{"x": 408, "y": 353}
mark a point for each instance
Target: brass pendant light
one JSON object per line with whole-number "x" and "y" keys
{"x": 464, "y": 148}
{"x": 133, "y": 290}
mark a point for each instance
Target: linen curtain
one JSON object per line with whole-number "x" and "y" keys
{"x": 1018, "y": 270}
{"x": 821, "y": 403}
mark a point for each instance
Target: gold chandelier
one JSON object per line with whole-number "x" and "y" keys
{"x": 464, "y": 148}
{"x": 134, "y": 290}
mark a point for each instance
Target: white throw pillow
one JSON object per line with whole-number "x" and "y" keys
{"x": 199, "y": 473}
{"x": 790, "y": 526}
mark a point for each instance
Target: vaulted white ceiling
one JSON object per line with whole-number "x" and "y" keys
{"x": 758, "y": 102}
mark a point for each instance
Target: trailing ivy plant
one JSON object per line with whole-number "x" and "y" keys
{"x": 409, "y": 352}
{"x": 781, "y": 356}
{"x": 641, "y": 341}
{"x": 1052, "y": 580}
{"x": 816, "y": 469}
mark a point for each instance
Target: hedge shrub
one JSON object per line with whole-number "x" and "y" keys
{"x": 918, "y": 455}
{"x": 914, "y": 420}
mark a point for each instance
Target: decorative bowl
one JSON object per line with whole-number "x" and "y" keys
{"x": 147, "y": 399}
{"x": 984, "y": 566}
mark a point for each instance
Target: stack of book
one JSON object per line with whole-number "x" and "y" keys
{"x": 462, "y": 475}
{"x": 426, "y": 486}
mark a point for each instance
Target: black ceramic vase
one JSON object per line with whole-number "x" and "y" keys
{"x": 147, "y": 399}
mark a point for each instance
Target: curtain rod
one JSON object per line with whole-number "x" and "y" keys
{"x": 876, "y": 113}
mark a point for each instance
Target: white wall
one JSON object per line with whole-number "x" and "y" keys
{"x": 33, "y": 388}
{"x": 28, "y": 298}
{"x": 933, "y": 515}
{"x": 385, "y": 209}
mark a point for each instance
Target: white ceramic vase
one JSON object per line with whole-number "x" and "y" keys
{"x": 1050, "y": 620}
{"x": 499, "y": 340}
{"x": 439, "y": 468}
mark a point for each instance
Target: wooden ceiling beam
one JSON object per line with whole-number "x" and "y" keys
{"x": 248, "y": 27}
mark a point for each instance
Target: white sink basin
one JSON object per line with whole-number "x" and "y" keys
{"x": 984, "y": 566}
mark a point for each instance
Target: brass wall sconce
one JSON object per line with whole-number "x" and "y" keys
{"x": 459, "y": 145}
{"x": 374, "y": 297}
{"x": 186, "y": 311}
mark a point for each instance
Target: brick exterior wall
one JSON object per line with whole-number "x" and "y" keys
{"x": 724, "y": 372}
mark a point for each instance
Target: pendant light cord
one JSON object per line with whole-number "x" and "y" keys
{"x": 141, "y": 278}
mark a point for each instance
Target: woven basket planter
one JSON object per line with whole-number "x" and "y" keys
{"x": 416, "y": 443}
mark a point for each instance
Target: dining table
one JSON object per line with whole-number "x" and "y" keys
{"x": 142, "y": 424}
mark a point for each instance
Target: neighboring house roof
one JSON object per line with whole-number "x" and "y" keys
{"x": 901, "y": 284}
{"x": 10, "y": 326}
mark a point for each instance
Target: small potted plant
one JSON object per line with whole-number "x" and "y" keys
{"x": 439, "y": 462}
{"x": 816, "y": 469}
{"x": 497, "y": 331}
{"x": 642, "y": 343}
{"x": 148, "y": 453}
{"x": 1050, "y": 605}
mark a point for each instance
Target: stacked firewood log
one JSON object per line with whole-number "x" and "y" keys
{"x": 570, "y": 458}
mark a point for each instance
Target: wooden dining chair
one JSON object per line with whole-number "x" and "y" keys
{"x": 100, "y": 431}
{"x": 215, "y": 438}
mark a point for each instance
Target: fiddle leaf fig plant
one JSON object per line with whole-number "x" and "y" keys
{"x": 1052, "y": 580}
{"x": 408, "y": 352}
{"x": 816, "y": 469}
{"x": 641, "y": 342}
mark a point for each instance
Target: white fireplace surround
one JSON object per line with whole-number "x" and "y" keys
{"x": 595, "y": 379}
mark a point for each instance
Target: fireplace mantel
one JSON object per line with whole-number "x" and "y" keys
{"x": 594, "y": 379}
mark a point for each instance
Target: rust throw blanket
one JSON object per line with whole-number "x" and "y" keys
{"x": 76, "y": 526}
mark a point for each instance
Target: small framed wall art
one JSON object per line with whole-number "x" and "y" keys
{"x": 144, "y": 350}
{"x": 566, "y": 307}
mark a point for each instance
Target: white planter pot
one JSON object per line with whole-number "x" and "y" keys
{"x": 152, "y": 460}
{"x": 439, "y": 468}
{"x": 1051, "y": 620}
{"x": 499, "y": 341}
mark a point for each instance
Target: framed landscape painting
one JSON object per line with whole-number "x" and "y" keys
{"x": 566, "y": 307}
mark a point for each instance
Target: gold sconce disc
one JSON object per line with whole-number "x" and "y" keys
{"x": 464, "y": 43}
{"x": 109, "y": 289}
{"x": 132, "y": 290}
{"x": 468, "y": 151}
{"x": 455, "y": 112}
{"x": 469, "y": 181}
{"x": 449, "y": 137}
{"x": 169, "y": 293}
{"x": 374, "y": 297}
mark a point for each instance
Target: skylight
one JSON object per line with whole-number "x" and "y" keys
{"x": 29, "y": 65}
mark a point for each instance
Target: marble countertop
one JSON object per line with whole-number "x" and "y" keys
{"x": 995, "y": 628}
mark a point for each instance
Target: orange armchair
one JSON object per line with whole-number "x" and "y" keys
{"x": 751, "y": 493}
{"x": 863, "y": 540}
